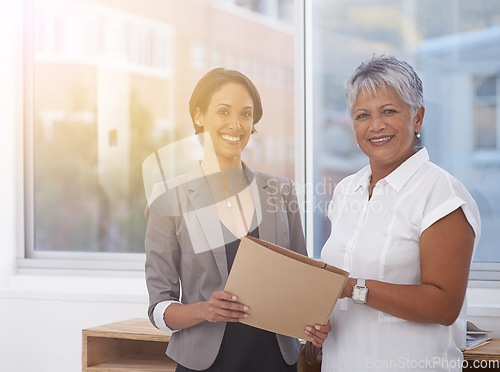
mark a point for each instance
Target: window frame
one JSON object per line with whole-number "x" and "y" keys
{"x": 29, "y": 260}
{"x": 487, "y": 274}
{"x": 477, "y": 105}
{"x": 484, "y": 274}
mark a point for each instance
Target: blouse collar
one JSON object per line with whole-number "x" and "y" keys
{"x": 397, "y": 178}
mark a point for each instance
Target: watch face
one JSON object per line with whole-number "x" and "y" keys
{"x": 359, "y": 294}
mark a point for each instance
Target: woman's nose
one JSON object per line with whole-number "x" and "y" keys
{"x": 234, "y": 124}
{"x": 377, "y": 124}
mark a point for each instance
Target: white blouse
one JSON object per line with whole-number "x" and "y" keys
{"x": 379, "y": 239}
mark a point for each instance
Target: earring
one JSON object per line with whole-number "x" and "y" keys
{"x": 197, "y": 122}
{"x": 417, "y": 135}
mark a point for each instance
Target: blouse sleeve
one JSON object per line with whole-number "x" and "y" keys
{"x": 159, "y": 320}
{"x": 447, "y": 195}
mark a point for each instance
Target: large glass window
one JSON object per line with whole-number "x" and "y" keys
{"x": 454, "y": 46}
{"x": 110, "y": 84}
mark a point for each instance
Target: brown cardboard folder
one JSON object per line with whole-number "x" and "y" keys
{"x": 284, "y": 290}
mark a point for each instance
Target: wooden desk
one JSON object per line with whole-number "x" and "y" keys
{"x": 136, "y": 346}
{"x": 484, "y": 358}
{"x": 133, "y": 346}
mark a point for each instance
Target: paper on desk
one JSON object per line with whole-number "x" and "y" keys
{"x": 475, "y": 336}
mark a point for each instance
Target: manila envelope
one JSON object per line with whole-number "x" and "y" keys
{"x": 285, "y": 290}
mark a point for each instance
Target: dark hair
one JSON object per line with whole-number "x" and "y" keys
{"x": 211, "y": 82}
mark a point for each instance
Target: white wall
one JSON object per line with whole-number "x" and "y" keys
{"x": 484, "y": 308}
{"x": 43, "y": 332}
{"x": 42, "y": 317}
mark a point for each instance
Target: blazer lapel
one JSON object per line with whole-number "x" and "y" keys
{"x": 206, "y": 214}
{"x": 265, "y": 201}
{"x": 267, "y": 207}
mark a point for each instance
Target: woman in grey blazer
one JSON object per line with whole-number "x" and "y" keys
{"x": 195, "y": 223}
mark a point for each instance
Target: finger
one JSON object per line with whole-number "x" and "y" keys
{"x": 230, "y": 298}
{"x": 234, "y": 316}
{"x": 229, "y": 301}
{"x": 317, "y": 338}
{"x": 327, "y": 327}
{"x": 232, "y": 306}
{"x": 234, "y": 313}
{"x": 317, "y": 331}
{"x": 221, "y": 307}
{"x": 316, "y": 342}
{"x": 309, "y": 331}
{"x": 322, "y": 329}
{"x": 217, "y": 310}
{"x": 225, "y": 296}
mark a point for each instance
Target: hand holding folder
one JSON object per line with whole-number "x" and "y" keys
{"x": 285, "y": 291}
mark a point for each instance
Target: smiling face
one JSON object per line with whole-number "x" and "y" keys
{"x": 385, "y": 129}
{"x": 228, "y": 120}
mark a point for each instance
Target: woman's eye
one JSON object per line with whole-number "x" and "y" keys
{"x": 247, "y": 114}
{"x": 389, "y": 111}
{"x": 361, "y": 116}
{"x": 223, "y": 112}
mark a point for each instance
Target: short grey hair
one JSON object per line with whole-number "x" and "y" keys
{"x": 382, "y": 72}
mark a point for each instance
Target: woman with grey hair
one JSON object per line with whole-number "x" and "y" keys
{"x": 405, "y": 229}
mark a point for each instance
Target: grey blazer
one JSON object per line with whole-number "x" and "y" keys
{"x": 186, "y": 257}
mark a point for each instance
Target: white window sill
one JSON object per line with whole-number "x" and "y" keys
{"x": 76, "y": 288}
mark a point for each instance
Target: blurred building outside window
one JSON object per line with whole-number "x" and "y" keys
{"x": 111, "y": 85}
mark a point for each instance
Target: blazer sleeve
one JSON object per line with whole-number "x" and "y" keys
{"x": 162, "y": 256}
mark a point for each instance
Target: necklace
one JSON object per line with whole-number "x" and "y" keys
{"x": 234, "y": 180}
{"x": 230, "y": 191}
{"x": 218, "y": 197}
